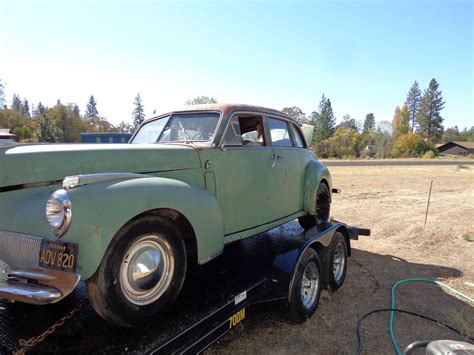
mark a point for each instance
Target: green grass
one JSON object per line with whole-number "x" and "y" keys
{"x": 467, "y": 238}
{"x": 462, "y": 167}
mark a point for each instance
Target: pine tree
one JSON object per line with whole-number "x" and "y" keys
{"x": 369, "y": 123}
{"x": 91, "y": 108}
{"x": 76, "y": 111}
{"x": 2, "y": 95}
{"x": 40, "y": 109}
{"x": 323, "y": 120}
{"x": 26, "y": 108}
{"x": 413, "y": 104}
{"x": 16, "y": 104}
{"x": 138, "y": 112}
{"x": 428, "y": 118}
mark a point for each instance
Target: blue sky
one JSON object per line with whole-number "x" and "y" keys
{"x": 363, "y": 55}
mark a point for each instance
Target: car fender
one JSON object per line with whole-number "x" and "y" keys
{"x": 314, "y": 174}
{"x": 100, "y": 210}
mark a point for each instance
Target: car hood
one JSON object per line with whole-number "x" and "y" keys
{"x": 25, "y": 164}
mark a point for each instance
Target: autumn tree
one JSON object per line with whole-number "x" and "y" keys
{"x": 413, "y": 103}
{"x": 296, "y": 113}
{"x": 91, "y": 108}
{"x": 369, "y": 123}
{"x": 199, "y": 100}
{"x": 125, "y": 127}
{"x": 67, "y": 122}
{"x": 429, "y": 116}
{"x": 138, "y": 113}
{"x": 400, "y": 122}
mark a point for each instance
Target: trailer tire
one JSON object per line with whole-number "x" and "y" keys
{"x": 334, "y": 262}
{"x": 305, "y": 287}
{"x": 141, "y": 273}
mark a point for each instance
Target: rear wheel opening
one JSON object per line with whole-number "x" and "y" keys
{"x": 322, "y": 208}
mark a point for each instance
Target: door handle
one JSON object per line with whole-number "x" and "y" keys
{"x": 275, "y": 157}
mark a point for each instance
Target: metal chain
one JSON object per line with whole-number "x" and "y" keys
{"x": 33, "y": 341}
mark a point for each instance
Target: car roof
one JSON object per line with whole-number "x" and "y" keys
{"x": 228, "y": 108}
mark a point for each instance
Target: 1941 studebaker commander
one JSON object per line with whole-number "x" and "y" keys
{"x": 129, "y": 219}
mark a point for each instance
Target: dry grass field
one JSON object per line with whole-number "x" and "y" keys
{"x": 391, "y": 200}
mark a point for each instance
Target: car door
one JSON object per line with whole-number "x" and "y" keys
{"x": 289, "y": 167}
{"x": 245, "y": 179}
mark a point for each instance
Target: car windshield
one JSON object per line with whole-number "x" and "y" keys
{"x": 185, "y": 127}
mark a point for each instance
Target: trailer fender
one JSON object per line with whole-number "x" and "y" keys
{"x": 285, "y": 264}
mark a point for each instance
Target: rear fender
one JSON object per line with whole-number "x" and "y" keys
{"x": 100, "y": 210}
{"x": 316, "y": 172}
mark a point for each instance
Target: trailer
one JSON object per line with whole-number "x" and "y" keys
{"x": 285, "y": 266}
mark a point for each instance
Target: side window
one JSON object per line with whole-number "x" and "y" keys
{"x": 298, "y": 139}
{"x": 232, "y": 135}
{"x": 279, "y": 133}
{"x": 245, "y": 130}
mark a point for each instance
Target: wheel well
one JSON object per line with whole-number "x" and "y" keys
{"x": 181, "y": 223}
{"x": 324, "y": 181}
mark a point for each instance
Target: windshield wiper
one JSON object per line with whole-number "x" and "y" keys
{"x": 184, "y": 131}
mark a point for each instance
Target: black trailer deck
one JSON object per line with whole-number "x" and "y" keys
{"x": 214, "y": 299}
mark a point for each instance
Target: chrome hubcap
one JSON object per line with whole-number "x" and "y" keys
{"x": 339, "y": 262}
{"x": 309, "y": 285}
{"x": 147, "y": 270}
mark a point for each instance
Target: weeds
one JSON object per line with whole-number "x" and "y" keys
{"x": 467, "y": 238}
{"x": 460, "y": 167}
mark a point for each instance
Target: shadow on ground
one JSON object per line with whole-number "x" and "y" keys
{"x": 331, "y": 330}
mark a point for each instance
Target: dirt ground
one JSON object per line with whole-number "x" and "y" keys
{"x": 391, "y": 200}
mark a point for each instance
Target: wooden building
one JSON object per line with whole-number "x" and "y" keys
{"x": 456, "y": 148}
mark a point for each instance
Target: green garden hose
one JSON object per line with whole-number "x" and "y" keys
{"x": 392, "y": 312}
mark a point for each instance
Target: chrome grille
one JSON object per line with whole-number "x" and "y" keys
{"x": 19, "y": 250}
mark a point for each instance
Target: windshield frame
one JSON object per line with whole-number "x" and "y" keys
{"x": 170, "y": 116}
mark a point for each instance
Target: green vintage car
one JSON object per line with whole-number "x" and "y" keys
{"x": 130, "y": 219}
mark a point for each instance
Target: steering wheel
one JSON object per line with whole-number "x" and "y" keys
{"x": 201, "y": 136}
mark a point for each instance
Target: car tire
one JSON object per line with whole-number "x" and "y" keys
{"x": 306, "y": 287}
{"x": 322, "y": 208}
{"x": 141, "y": 273}
{"x": 334, "y": 262}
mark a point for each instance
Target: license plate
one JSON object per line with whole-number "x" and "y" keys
{"x": 58, "y": 255}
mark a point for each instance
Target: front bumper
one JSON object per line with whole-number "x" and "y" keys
{"x": 21, "y": 277}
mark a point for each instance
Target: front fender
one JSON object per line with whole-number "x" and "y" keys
{"x": 315, "y": 173}
{"x": 100, "y": 210}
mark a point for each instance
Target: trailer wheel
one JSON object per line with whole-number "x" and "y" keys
{"x": 141, "y": 273}
{"x": 323, "y": 208}
{"x": 306, "y": 287}
{"x": 334, "y": 262}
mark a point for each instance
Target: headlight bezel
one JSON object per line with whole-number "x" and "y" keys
{"x": 60, "y": 196}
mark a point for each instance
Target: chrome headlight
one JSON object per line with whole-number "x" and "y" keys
{"x": 58, "y": 212}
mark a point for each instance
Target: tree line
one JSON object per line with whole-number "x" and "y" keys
{"x": 65, "y": 122}
{"x": 415, "y": 129}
